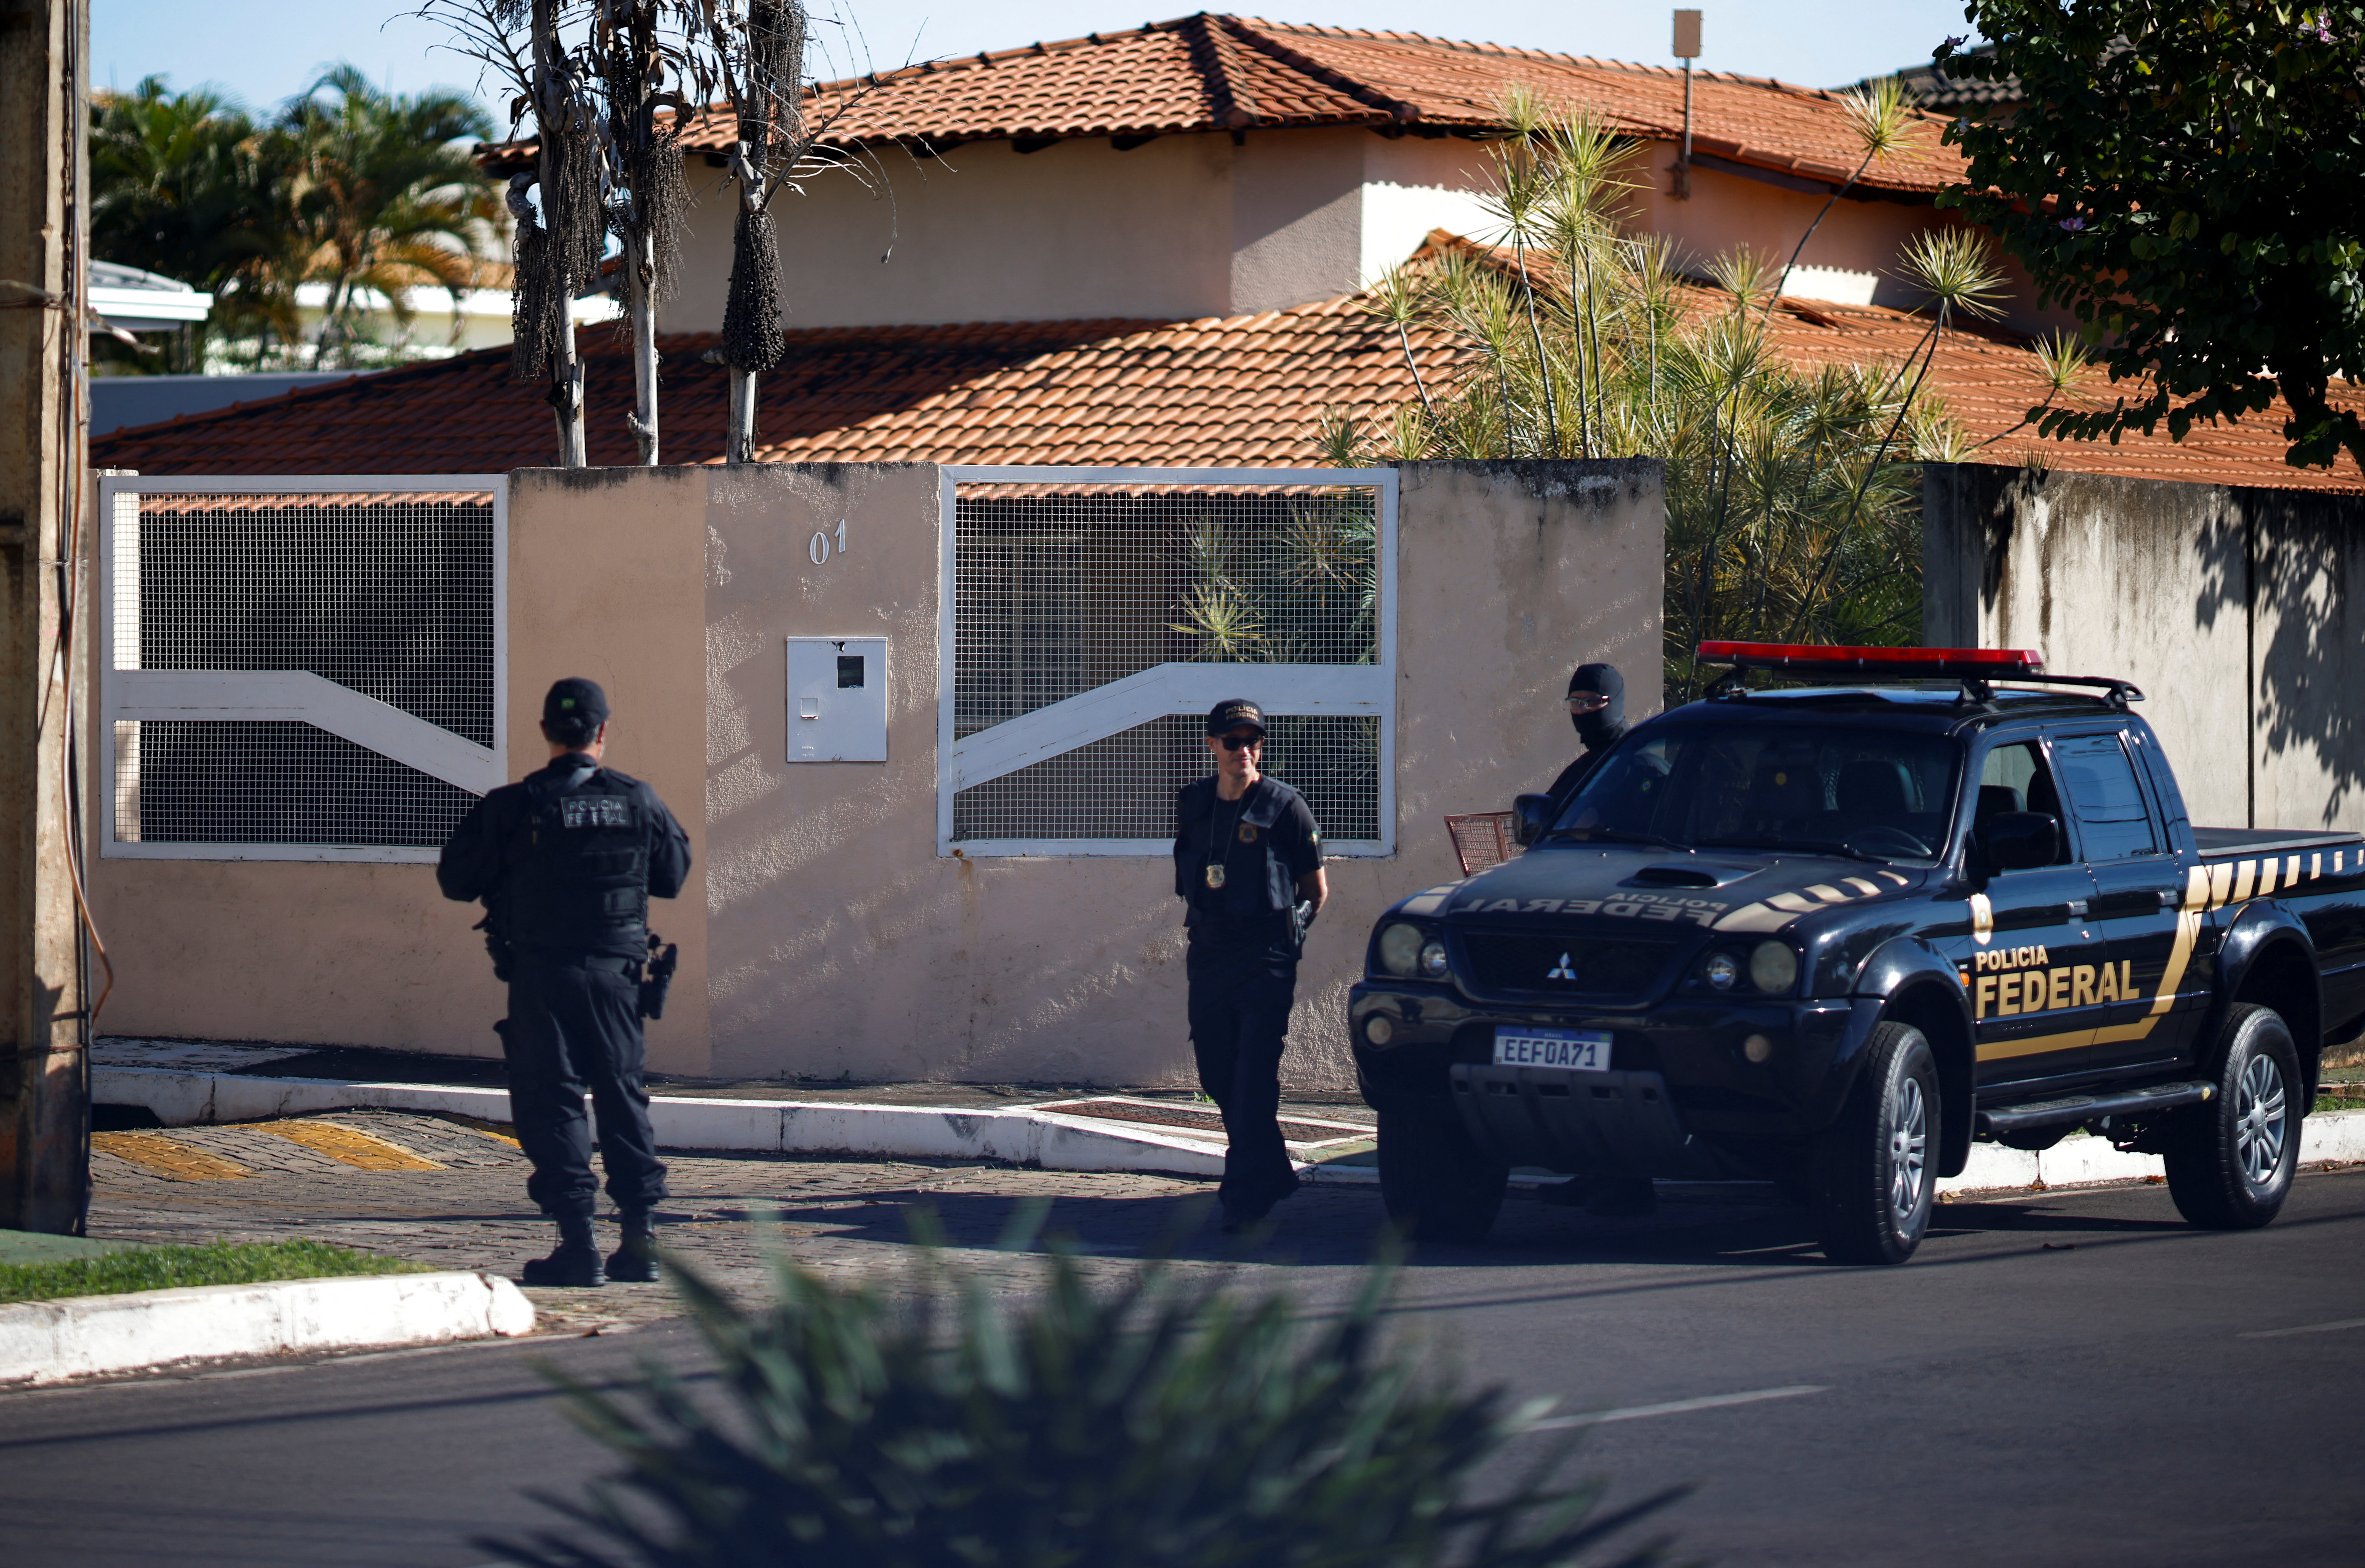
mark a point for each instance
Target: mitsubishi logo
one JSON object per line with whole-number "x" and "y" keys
{"x": 1561, "y": 970}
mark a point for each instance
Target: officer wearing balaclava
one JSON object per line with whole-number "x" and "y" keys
{"x": 1596, "y": 706}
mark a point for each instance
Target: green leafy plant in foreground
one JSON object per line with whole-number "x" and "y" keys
{"x": 1154, "y": 1423}
{"x": 172, "y": 1268}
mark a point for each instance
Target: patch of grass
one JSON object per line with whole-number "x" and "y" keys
{"x": 171, "y": 1268}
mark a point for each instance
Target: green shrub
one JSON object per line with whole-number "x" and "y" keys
{"x": 1156, "y": 1423}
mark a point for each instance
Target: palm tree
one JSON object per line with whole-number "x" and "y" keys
{"x": 181, "y": 187}
{"x": 382, "y": 199}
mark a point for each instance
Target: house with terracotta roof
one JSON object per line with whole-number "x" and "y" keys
{"x": 1223, "y": 165}
{"x": 1216, "y": 391}
{"x": 1145, "y": 247}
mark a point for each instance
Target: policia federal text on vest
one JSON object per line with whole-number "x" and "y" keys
{"x": 566, "y": 862}
{"x": 1247, "y": 865}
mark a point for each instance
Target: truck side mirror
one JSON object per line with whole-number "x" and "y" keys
{"x": 1530, "y": 815}
{"x": 2020, "y": 841}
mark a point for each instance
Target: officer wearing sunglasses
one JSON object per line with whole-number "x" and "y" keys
{"x": 1247, "y": 865}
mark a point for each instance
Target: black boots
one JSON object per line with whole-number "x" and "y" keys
{"x": 576, "y": 1261}
{"x": 636, "y": 1261}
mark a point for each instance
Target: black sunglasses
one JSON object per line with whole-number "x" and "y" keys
{"x": 1240, "y": 743}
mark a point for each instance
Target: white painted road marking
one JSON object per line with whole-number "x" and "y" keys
{"x": 1672, "y": 1407}
{"x": 2305, "y": 1329}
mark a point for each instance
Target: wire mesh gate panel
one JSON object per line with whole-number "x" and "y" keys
{"x": 1092, "y": 616}
{"x": 299, "y": 669}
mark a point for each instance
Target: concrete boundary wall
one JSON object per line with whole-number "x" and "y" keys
{"x": 2239, "y": 612}
{"x": 822, "y": 936}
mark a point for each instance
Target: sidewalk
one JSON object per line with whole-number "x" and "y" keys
{"x": 1174, "y": 1132}
{"x": 149, "y": 1083}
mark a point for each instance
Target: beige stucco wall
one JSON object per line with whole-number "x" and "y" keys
{"x": 607, "y": 579}
{"x": 842, "y": 944}
{"x": 2234, "y": 610}
{"x": 291, "y": 952}
{"x": 1075, "y": 232}
{"x": 822, "y": 935}
{"x": 1192, "y": 226}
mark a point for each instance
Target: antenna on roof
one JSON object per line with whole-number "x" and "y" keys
{"x": 1688, "y": 30}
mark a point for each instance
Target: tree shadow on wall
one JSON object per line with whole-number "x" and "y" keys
{"x": 2291, "y": 560}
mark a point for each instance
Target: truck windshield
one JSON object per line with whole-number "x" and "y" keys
{"x": 1872, "y": 794}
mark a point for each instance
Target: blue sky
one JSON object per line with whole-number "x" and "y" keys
{"x": 263, "y": 51}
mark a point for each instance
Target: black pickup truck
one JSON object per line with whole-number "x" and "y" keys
{"x": 1831, "y": 936}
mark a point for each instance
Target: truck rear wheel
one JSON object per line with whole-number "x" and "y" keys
{"x": 1436, "y": 1181}
{"x": 1875, "y": 1168}
{"x": 2230, "y": 1160}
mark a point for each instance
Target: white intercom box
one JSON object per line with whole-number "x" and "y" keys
{"x": 837, "y": 699}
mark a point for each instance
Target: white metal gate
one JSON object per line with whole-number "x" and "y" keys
{"x": 1092, "y": 616}
{"x": 302, "y": 668}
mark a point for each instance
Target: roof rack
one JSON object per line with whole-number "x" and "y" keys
{"x": 1978, "y": 668}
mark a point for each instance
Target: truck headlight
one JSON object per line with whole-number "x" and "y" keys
{"x": 1772, "y": 967}
{"x": 1723, "y": 970}
{"x": 1432, "y": 961}
{"x": 1400, "y": 949}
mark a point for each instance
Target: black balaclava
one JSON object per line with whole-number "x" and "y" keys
{"x": 1598, "y": 730}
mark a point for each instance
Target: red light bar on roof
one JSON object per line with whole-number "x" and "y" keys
{"x": 1807, "y": 658}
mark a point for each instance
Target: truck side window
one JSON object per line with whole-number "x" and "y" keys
{"x": 2112, "y": 821}
{"x": 2014, "y": 778}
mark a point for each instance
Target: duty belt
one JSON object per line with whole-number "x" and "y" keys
{"x": 611, "y": 962}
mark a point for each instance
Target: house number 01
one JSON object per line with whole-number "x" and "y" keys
{"x": 821, "y": 546}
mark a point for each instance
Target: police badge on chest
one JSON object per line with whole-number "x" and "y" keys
{"x": 1215, "y": 876}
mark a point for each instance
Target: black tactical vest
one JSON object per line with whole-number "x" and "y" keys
{"x": 579, "y": 872}
{"x": 1237, "y": 836}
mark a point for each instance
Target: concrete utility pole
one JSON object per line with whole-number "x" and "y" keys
{"x": 44, "y": 523}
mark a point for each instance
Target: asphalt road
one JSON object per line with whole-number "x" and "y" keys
{"x": 2070, "y": 1378}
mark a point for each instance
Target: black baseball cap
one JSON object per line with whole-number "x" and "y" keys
{"x": 573, "y": 709}
{"x": 1231, "y": 713}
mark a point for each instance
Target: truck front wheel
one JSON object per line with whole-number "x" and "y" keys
{"x": 1875, "y": 1168}
{"x": 1436, "y": 1181}
{"x": 2230, "y": 1160}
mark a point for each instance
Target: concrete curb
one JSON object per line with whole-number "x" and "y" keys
{"x": 2327, "y": 1137}
{"x": 1045, "y": 1139}
{"x": 50, "y": 1341}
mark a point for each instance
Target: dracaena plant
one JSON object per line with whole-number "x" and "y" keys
{"x": 1793, "y": 494}
{"x": 1155, "y": 1423}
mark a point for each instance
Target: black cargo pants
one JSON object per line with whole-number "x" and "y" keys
{"x": 1241, "y": 990}
{"x": 575, "y": 1022}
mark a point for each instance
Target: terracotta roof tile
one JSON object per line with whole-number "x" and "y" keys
{"x": 1245, "y": 389}
{"x": 1224, "y": 72}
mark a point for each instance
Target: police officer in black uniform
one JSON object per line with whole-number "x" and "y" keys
{"x": 1596, "y": 706}
{"x": 565, "y": 861}
{"x": 1248, "y": 864}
